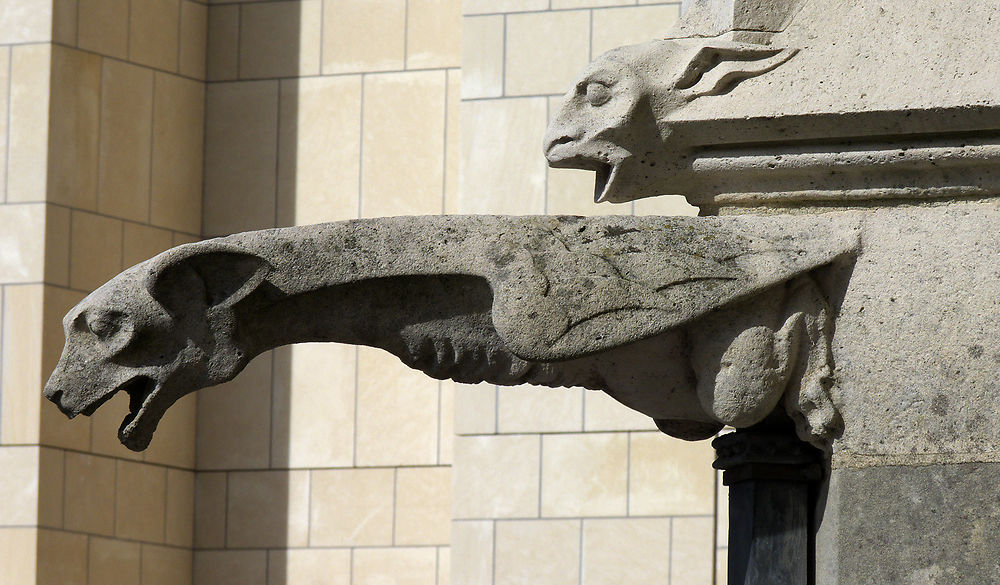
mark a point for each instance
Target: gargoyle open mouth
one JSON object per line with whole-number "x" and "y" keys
{"x": 604, "y": 181}
{"x": 136, "y": 431}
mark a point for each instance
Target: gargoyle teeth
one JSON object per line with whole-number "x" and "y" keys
{"x": 140, "y": 390}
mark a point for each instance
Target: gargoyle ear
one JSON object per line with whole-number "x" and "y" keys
{"x": 717, "y": 67}
{"x": 187, "y": 277}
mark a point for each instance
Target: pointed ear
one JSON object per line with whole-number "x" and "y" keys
{"x": 190, "y": 277}
{"x": 717, "y": 67}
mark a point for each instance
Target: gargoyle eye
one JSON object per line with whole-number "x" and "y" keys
{"x": 104, "y": 325}
{"x": 598, "y": 93}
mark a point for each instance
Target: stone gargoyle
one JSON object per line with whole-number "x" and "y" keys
{"x": 696, "y": 322}
{"x": 619, "y": 118}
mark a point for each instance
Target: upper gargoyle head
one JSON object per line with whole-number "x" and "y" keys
{"x": 616, "y": 119}
{"x": 158, "y": 331}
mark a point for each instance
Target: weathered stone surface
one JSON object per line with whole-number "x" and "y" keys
{"x": 844, "y": 100}
{"x": 910, "y": 524}
{"x": 691, "y": 321}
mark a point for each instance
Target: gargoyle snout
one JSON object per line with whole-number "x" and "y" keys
{"x": 56, "y": 396}
{"x": 558, "y": 143}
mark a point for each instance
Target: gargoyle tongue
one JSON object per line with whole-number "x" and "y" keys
{"x": 136, "y": 430}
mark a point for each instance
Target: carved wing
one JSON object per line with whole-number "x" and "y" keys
{"x": 578, "y": 286}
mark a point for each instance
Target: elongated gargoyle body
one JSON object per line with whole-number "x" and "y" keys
{"x": 696, "y": 322}
{"x": 619, "y": 118}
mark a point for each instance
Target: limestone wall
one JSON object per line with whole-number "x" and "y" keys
{"x": 562, "y": 486}
{"x": 325, "y": 463}
{"x": 102, "y": 133}
{"x": 129, "y": 126}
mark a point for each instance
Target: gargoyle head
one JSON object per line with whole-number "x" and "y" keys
{"x": 158, "y": 331}
{"x": 616, "y": 120}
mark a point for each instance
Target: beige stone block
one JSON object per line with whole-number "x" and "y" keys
{"x": 126, "y": 140}
{"x": 664, "y": 205}
{"x": 24, "y": 21}
{"x": 57, "y": 228}
{"x": 309, "y": 567}
{"x": 193, "y": 39}
{"x": 475, "y": 408}
{"x": 64, "y": 22}
{"x": 19, "y": 486}
{"x": 499, "y": 135}
{"x": 492, "y": 6}
{"x": 174, "y": 443}
{"x": 234, "y": 420}
{"x": 74, "y": 118}
{"x": 351, "y": 507}
{"x": 112, "y": 562}
{"x": 349, "y": 27}
{"x": 546, "y": 51}
{"x": 397, "y": 412}
{"x": 399, "y": 566}
{"x": 482, "y": 56}
{"x": 90, "y": 494}
{"x": 103, "y": 27}
{"x": 571, "y": 192}
{"x": 452, "y": 140}
{"x": 222, "y": 60}
{"x": 538, "y": 551}
{"x": 568, "y": 4}
{"x": 96, "y": 250}
{"x": 21, "y": 369}
{"x": 18, "y": 555}
{"x": 280, "y": 39}
{"x": 62, "y": 558}
{"x": 496, "y": 476}
{"x": 472, "y": 547}
{"x": 691, "y": 547}
{"x": 670, "y": 477}
{"x": 178, "y": 145}
{"x": 403, "y": 130}
{"x": 446, "y": 422}
{"x": 535, "y": 409}
{"x": 51, "y": 471}
{"x": 314, "y": 406}
{"x": 210, "y": 509}
{"x": 230, "y": 567}
{"x": 142, "y": 242}
{"x": 721, "y": 566}
{"x": 627, "y": 550}
{"x": 180, "y": 238}
{"x": 22, "y": 230}
{"x": 268, "y": 509}
{"x": 318, "y": 170}
{"x": 433, "y": 34}
{"x": 104, "y": 425}
{"x": 241, "y": 142}
{"x": 140, "y": 501}
{"x": 163, "y": 565}
{"x": 5, "y": 112}
{"x": 444, "y": 566}
{"x": 154, "y": 29}
{"x": 604, "y": 413}
{"x": 55, "y": 429}
{"x": 180, "y": 508}
{"x": 628, "y": 26}
{"x": 423, "y": 505}
{"x": 585, "y": 475}
{"x": 28, "y": 141}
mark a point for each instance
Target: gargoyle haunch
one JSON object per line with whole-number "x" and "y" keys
{"x": 696, "y": 322}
